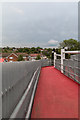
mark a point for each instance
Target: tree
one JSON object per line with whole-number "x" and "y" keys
{"x": 20, "y": 58}
{"x": 71, "y": 44}
{"x": 58, "y": 50}
{"x": 5, "y": 51}
{"x": 7, "y": 48}
{"x": 78, "y": 45}
{"x": 38, "y": 57}
{"x": 20, "y": 50}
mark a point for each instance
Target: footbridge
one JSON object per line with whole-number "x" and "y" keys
{"x": 39, "y": 89}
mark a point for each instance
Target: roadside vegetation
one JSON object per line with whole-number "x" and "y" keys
{"x": 70, "y": 44}
{"x": 20, "y": 58}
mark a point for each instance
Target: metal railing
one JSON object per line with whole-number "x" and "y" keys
{"x": 69, "y": 70}
{"x": 18, "y": 81}
{"x": 69, "y": 67}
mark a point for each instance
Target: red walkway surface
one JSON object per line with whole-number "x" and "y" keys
{"x": 56, "y": 96}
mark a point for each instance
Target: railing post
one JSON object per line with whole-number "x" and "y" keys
{"x": 62, "y": 58}
{"x": 52, "y": 56}
{"x": 54, "y": 59}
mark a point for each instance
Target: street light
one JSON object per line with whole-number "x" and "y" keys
{"x": 42, "y": 54}
{"x": 53, "y": 55}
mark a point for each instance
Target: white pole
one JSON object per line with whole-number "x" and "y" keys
{"x": 62, "y": 58}
{"x": 54, "y": 58}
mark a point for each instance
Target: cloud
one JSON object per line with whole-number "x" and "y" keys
{"x": 18, "y": 10}
{"x": 52, "y": 42}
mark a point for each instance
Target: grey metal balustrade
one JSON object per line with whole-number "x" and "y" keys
{"x": 17, "y": 78}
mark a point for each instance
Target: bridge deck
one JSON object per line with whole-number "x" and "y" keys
{"x": 56, "y": 96}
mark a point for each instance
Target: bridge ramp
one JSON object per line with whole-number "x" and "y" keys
{"x": 56, "y": 96}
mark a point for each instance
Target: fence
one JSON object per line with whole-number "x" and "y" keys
{"x": 69, "y": 67}
{"x": 18, "y": 81}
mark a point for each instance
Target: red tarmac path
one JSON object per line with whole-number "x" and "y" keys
{"x": 56, "y": 96}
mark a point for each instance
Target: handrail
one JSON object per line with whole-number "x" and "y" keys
{"x": 58, "y": 55}
{"x": 61, "y": 66}
{"x": 32, "y": 98}
{"x": 72, "y": 52}
{"x": 16, "y": 110}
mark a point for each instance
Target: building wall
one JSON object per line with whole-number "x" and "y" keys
{"x": 12, "y": 57}
{"x": 25, "y": 58}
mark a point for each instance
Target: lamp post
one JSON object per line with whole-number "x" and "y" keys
{"x": 53, "y": 56}
{"x": 42, "y": 54}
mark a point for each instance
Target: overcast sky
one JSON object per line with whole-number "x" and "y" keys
{"x": 38, "y": 24}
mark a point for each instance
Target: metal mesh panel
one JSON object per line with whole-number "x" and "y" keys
{"x": 16, "y": 77}
{"x": 58, "y": 64}
{"x": 71, "y": 67}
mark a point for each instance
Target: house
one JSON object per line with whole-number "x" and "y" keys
{"x": 25, "y": 56}
{"x": 2, "y": 60}
{"x": 43, "y": 57}
{"x": 12, "y": 57}
{"x": 33, "y": 57}
{"x": 3, "y": 56}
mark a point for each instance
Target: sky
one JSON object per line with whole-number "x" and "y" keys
{"x": 43, "y": 24}
{"x": 39, "y": 0}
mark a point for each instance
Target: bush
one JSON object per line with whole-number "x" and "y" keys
{"x": 38, "y": 57}
{"x": 20, "y": 58}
